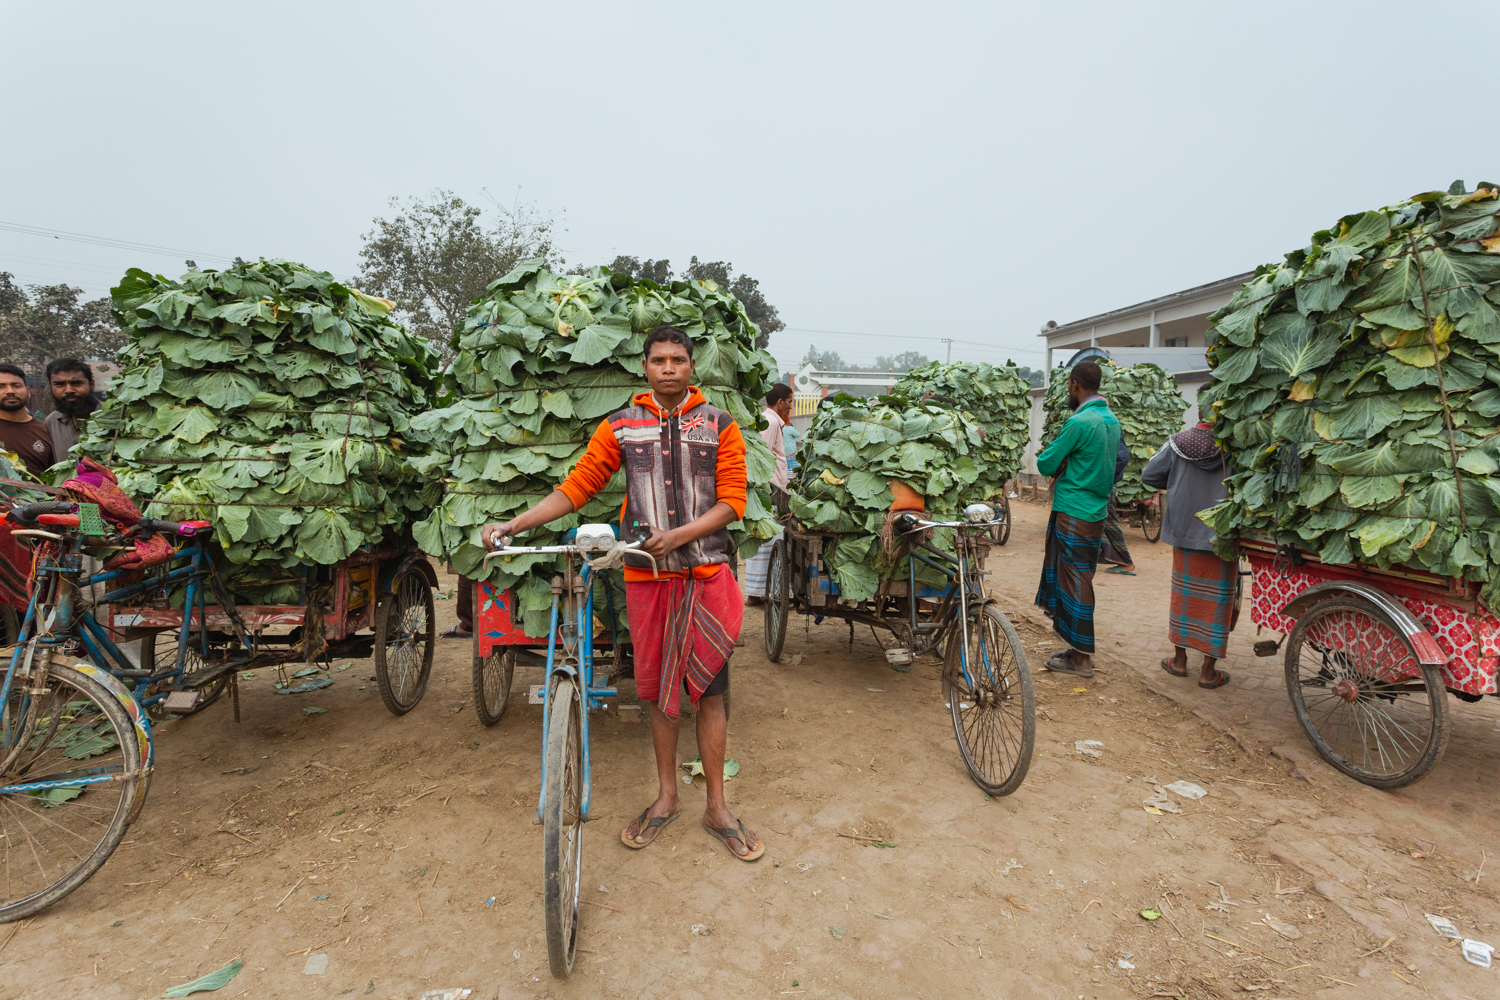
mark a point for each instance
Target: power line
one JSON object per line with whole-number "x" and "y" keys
{"x": 104, "y": 241}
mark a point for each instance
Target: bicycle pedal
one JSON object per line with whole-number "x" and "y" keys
{"x": 1266, "y": 647}
{"x": 535, "y": 695}
{"x": 181, "y": 701}
{"x": 898, "y": 657}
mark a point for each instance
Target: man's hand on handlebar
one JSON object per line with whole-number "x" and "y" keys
{"x": 494, "y": 536}
{"x": 659, "y": 543}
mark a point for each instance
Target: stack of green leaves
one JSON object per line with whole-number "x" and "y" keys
{"x": 542, "y": 358}
{"x": 849, "y": 455}
{"x": 998, "y": 399}
{"x": 272, "y": 400}
{"x": 1357, "y": 386}
{"x": 1146, "y": 401}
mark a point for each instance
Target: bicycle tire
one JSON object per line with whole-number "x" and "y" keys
{"x": 493, "y": 676}
{"x": 1153, "y": 516}
{"x": 778, "y": 606}
{"x": 162, "y": 648}
{"x": 1000, "y": 533}
{"x": 10, "y": 625}
{"x": 562, "y": 827}
{"x": 104, "y": 719}
{"x": 1355, "y": 642}
{"x": 405, "y": 635}
{"x": 994, "y": 718}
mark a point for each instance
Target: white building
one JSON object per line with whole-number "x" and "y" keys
{"x": 1168, "y": 331}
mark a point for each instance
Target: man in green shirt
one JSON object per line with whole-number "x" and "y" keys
{"x": 1081, "y": 461}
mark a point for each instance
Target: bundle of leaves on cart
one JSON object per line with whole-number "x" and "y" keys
{"x": 855, "y": 454}
{"x": 1357, "y": 387}
{"x": 995, "y": 397}
{"x": 542, "y": 358}
{"x": 272, "y": 400}
{"x": 1144, "y": 398}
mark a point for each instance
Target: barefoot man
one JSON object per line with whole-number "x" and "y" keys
{"x": 684, "y": 478}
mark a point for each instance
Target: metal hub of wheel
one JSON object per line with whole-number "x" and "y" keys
{"x": 1346, "y": 690}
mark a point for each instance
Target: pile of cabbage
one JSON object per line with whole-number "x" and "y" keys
{"x": 995, "y": 397}
{"x": 1146, "y": 401}
{"x": 274, "y": 401}
{"x": 1357, "y": 390}
{"x": 542, "y": 358}
{"x": 850, "y": 455}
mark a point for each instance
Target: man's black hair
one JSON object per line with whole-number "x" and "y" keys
{"x": 778, "y": 392}
{"x": 668, "y": 335}
{"x": 15, "y": 370}
{"x": 70, "y": 365}
{"x": 1087, "y": 375}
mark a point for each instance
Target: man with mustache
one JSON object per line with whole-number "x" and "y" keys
{"x": 72, "y": 383}
{"x": 20, "y": 433}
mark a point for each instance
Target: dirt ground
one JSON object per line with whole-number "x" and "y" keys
{"x": 404, "y": 849}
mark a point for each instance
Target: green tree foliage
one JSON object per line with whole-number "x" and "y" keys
{"x": 1357, "y": 390}
{"x": 49, "y": 321}
{"x": 438, "y": 254}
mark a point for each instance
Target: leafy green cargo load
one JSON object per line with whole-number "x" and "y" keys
{"x": 542, "y": 359}
{"x": 1330, "y": 375}
{"x": 995, "y": 397}
{"x": 848, "y": 456}
{"x": 272, "y": 400}
{"x": 1146, "y": 401}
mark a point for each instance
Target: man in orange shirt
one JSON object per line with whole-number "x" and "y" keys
{"x": 684, "y": 479}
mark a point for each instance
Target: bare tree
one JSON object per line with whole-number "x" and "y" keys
{"x": 437, "y": 255}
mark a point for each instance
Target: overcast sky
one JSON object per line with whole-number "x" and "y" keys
{"x": 894, "y": 173}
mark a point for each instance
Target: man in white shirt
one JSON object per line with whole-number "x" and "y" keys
{"x": 777, "y": 412}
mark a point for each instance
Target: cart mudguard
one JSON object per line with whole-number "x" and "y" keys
{"x": 1428, "y": 651}
{"x": 138, "y": 718}
{"x": 417, "y": 559}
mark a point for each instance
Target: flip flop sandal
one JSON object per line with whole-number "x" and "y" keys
{"x": 725, "y": 833}
{"x": 1220, "y": 679}
{"x": 1166, "y": 665}
{"x": 643, "y": 825}
{"x": 1117, "y": 571}
{"x": 456, "y": 633}
{"x": 1061, "y": 663}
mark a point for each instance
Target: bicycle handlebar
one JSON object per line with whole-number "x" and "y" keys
{"x": 150, "y": 526}
{"x": 27, "y": 513}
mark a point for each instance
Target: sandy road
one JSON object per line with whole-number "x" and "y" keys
{"x": 380, "y": 842}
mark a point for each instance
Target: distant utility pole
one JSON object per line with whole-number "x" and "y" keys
{"x": 949, "y": 342}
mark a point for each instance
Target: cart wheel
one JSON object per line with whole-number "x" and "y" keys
{"x": 159, "y": 651}
{"x": 10, "y": 625}
{"x": 1152, "y": 516}
{"x": 404, "y": 634}
{"x": 562, "y": 827}
{"x": 1000, "y": 533}
{"x": 54, "y": 839}
{"x": 778, "y": 604}
{"x": 1368, "y": 706}
{"x": 992, "y": 705}
{"x": 492, "y": 678}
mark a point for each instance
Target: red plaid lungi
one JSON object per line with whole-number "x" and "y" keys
{"x": 682, "y": 630}
{"x": 1205, "y": 601}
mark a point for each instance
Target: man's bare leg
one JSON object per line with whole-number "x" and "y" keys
{"x": 712, "y": 739}
{"x": 664, "y": 742}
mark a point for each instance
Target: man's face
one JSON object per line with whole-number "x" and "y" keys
{"x": 783, "y": 409}
{"x": 14, "y": 394}
{"x": 73, "y": 393}
{"x": 668, "y": 368}
{"x": 1076, "y": 394}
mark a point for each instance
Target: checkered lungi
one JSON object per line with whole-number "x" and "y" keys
{"x": 757, "y": 568}
{"x": 1067, "y": 589}
{"x": 1205, "y": 601}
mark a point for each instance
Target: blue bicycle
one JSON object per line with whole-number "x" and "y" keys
{"x": 569, "y": 694}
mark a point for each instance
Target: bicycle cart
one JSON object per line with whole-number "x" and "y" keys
{"x": 1148, "y": 513}
{"x": 76, "y": 749}
{"x": 569, "y": 695}
{"x": 1371, "y": 655}
{"x": 986, "y": 681}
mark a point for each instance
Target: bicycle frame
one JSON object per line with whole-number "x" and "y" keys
{"x": 967, "y": 587}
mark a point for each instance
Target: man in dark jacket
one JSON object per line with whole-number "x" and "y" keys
{"x": 1205, "y": 589}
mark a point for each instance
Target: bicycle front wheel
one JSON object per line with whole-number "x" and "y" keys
{"x": 562, "y": 827}
{"x": 58, "y": 822}
{"x": 990, "y": 700}
{"x": 405, "y": 626}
